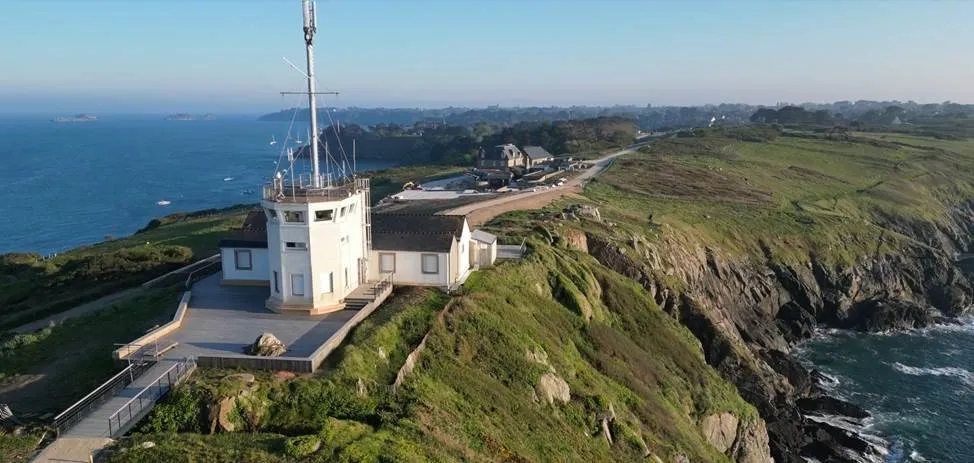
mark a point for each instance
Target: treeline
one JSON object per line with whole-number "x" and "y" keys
{"x": 437, "y": 143}
{"x": 946, "y": 121}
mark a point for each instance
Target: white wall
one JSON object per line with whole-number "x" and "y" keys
{"x": 332, "y": 247}
{"x": 409, "y": 269}
{"x": 259, "y": 266}
{"x": 462, "y": 262}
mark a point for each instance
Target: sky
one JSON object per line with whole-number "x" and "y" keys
{"x": 224, "y": 56}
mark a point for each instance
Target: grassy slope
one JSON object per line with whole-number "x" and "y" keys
{"x": 32, "y": 288}
{"x": 796, "y": 195}
{"x": 472, "y": 396}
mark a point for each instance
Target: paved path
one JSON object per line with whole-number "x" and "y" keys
{"x": 480, "y": 212}
{"x": 92, "y": 433}
{"x": 78, "y": 311}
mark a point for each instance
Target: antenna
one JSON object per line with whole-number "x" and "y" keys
{"x": 354, "y": 166}
{"x": 310, "y": 27}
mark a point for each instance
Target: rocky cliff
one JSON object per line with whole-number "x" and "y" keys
{"x": 749, "y": 312}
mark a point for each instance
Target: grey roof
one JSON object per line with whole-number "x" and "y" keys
{"x": 415, "y": 232}
{"x": 502, "y": 152}
{"x": 536, "y": 152}
{"x": 483, "y": 236}
{"x": 252, "y": 234}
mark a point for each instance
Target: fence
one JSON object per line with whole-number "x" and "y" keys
{"x": 147, "y": 397}
{"x": 76, "y": 412}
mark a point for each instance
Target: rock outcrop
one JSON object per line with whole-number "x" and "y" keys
{"x": 748, "y": 313}
{"x": 552, "y": 388}
{"x": 266, "y": 345}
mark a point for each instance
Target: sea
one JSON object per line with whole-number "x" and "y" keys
{"x": 918, "y": 386}
{"x": 69, "y": 184}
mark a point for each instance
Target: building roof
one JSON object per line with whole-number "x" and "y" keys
{"x": 502, "y": 152}
{"x": 252, "y": 234}
{"x": 536, "y": 152}
{"x": 415, "y": 232}
{"x": 483, "y": 236}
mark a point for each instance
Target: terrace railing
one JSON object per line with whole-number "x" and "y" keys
{"x": 77, "y": 411}
{"x": 147, "y": 397}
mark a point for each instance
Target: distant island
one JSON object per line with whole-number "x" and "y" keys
{"x": 76, "y": 118}
{"x": 190, "y": 117}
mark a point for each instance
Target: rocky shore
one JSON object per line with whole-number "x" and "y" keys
{"x": 749, "y": 315}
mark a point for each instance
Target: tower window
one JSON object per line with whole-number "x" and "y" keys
{"x": 328, "y": 282}
{"x": 243, "y": 259}
{"x": 271, "y": 213}
{"x": 324, "y": 215}
{"x": 351, "y": 208}
{"x": 277, "y": 282}
{"x": 297, "y": 246}
{"x": 342, "y": 214}
{"x": 294, "y": 216}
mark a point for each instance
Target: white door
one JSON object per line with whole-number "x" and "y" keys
{"x": 297, "y": 284}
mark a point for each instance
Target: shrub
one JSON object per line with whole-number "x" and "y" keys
{"x": 301, "y": 446}
{"x": 180, "y": 412}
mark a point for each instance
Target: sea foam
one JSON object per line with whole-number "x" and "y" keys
{"x": 966, "y": 376}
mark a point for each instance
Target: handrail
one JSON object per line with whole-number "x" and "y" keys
{"x": 189, "y": 278}
{"x": 186, "y": 363}
{"x": 123, "y": 378}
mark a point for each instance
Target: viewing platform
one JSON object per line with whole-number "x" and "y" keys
{"x": 302, "y": 190}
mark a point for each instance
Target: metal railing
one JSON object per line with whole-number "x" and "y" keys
{"x": 77, "y": 411}
{"x": 301, "y": 191}
{"x": 382, "y": 284}
{"x": 148, "y": 396}
{"x": 202, "y": 272}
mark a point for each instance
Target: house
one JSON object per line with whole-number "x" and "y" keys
{"x": 244, "y": 252}
{"x": 537, "y": 155}
{"x": 421, "y": 249}
{"x": 501, "y": 157}
{"x": 494, "y": 178}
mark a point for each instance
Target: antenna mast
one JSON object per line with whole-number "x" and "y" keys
{"x": 309, "y": 32}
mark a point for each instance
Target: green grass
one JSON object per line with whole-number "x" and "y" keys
{"x": 17, "y": 449}
{"x": 32, "y": 287}
{"x": 795, "y": 196}
{"x": 472, "y": 395}
{"x": 65, "y": 362}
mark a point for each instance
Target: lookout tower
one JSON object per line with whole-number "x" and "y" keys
{"x": 318, "y": 227}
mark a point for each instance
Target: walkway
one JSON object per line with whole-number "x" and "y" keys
{"x": 94, "y": 432}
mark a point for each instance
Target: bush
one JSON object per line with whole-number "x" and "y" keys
{"x": 301, "y": 446}
{"x": 180, "y": 412}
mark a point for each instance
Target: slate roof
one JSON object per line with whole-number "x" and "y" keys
{"x": 502, "y": 152}
{"x": 415, "y": 232}
{"x": 252, "y": 234}
{"x": 483, "y": 236}
{"x": 536, "y": 152}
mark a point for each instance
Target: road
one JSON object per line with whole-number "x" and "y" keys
{"x": 479, "y": 213}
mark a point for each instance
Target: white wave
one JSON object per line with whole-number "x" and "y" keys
{"x": 966, "y": 376}
{"x": 879, "y": 447}
{"x": 915, "y": 456}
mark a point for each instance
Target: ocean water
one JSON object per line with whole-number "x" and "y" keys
{"x": 67, "y": 184}
{"x": 919, "y": 386}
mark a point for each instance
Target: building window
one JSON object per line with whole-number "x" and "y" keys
{"x": 342, "y": 214}
{"x": 431, "y": 263}
{"x": 351, "y": 208}
{"x": 294, "y": 216}
{"x": 296, "y": 246}
{"x": 328, "y": 283}
{"x": 271, "y": 213}
{"x": 346, "y": 278}
{"x": 387, "y": 262}
{"x": 324, "y": 215}
{"x": 277, "y": 282}
{"x": 243, "y": 260}
{"x": 297, "y": 284}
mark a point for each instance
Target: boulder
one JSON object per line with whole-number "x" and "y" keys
{"x": 551, "y": 388}
{"x": 266, "y": 345}
{"x": 720, "y": 429}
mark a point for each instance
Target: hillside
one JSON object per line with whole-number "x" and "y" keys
{"x": 661, "y": 328}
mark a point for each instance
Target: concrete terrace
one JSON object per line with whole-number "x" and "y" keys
{"x": 223, "y": 320}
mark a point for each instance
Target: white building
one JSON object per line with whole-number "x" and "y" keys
{"x": 421, "y": 250}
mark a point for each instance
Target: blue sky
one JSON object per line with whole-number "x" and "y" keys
{"x": 225, "y": 56}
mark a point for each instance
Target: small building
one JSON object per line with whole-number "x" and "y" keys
{"x": 483, "y": 249}
{"x": 501, "y": 157}
{"x": 494, "y": 178}
{"x": 537, "y": 155}
{"x": 243, "y": 252}
{"x": 421, "y": 250}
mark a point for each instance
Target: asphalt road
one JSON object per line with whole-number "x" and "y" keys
{"x": 577, "y": 182}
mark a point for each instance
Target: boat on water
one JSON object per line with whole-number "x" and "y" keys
{"x": 76, "y": 118}
{"x": 227, "y": 179}
{"x": 163, "y": 202}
